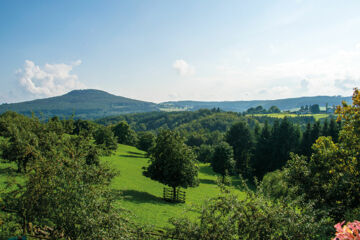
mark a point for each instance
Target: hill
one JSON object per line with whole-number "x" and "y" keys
{"x": 86, "y": 104}
{"x": 95, "y": 104}
{"x": 240, "y": 106}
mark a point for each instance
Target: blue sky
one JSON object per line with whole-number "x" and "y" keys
{"x": 179, "y": 50}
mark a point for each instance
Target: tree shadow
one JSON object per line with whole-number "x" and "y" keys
{"x": 131, "y": 156}
{"x": 137, "y": 196}
{"x": 140, "y": 197}
{"x": 207, "y": 181}
{"x": 135, "y": 153}
{"x": 207, "y": 170}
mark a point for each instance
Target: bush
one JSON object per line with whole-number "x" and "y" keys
{"x": 254, "y": 217}
{"x": 274, "y": 185}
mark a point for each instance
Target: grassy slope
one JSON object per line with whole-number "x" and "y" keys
{"x": 142, "y": 196}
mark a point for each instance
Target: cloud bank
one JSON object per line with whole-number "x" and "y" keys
{"x": 51, "y": 80}
{"x": 183, "y": 68}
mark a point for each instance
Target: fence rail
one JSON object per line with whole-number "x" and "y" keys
{"x": 168, "y": 195}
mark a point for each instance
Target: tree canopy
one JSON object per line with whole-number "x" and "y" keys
{"x": 172, "y": 162}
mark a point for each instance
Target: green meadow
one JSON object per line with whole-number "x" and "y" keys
{"x": 282, "y": 115}
{"x": 141, "y": 195}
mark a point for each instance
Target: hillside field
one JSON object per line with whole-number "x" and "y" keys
{"x": 282, "y": 115}
{"x": 141, "y": 195}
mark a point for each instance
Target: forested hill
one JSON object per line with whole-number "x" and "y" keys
{"x": 240, "y": 106}
{"x": 95, "y": 104}
{"x": 86, "y": 104}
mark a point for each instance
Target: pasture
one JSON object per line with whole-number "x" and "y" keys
{"x": 140, "y": 195}
{"x": 143, "y": 196}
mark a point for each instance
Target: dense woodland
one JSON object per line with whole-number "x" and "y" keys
{"x": 300, "y": 176}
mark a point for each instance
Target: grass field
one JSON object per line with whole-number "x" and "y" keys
{"x": 141, "y": 195}
{"x": 282, "y": 115}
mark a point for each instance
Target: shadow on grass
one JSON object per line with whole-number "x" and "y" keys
{"x": 140, "y": 197}
{"x": 131, "y": 156}
{"x": 136, "y": 196}
{"x": 207, "y": 181}
{"x": 207, "y": 170}
{"x": 135, "y": 153}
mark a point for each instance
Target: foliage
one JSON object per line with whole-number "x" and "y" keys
{"x": 254, "y": 217}
{"x": 315, "y": 108}
{"x": 223, "y": 159}
{"x": 172, "y": 162}
{"x": 146, "y": 140}
{"x": 261, "y": 110}
{"x": 240, "y": 138}
{"x": 263, "y": 152}
{"x": 105, "y": 138}
{"x": 331, "y": 177}
{"x": 66, "y": 186}
{"x": 274, "y": 185}
{"x": 124, "y": 133}
{"x": 205, "y": 153}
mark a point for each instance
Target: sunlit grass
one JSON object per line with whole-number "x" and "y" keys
{"x": 282, "y": 115}
{"x": 143, "y": 196}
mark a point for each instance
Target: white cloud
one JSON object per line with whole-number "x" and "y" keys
{"x": 51, "y": 80}
{"x": 336, "y": 73}
{"x": 183, "y": 68}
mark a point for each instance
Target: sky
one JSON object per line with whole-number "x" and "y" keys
{"x": 162, "y": 50}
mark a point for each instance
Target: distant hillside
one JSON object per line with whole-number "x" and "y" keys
{"x": 240, "y": 106}
{"x": 86, "y": 104}
{"x": 94, "y": 104}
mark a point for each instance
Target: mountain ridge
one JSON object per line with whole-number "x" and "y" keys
{"x": 93, "y": 103}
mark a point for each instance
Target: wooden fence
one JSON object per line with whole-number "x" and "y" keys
{"x": 168, "y": 195}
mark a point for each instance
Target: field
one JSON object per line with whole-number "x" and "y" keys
{"x": 141, "y": 195}
{"x": 282, "y": 115}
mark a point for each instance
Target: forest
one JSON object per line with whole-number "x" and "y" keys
{"x": 275, "y": 178}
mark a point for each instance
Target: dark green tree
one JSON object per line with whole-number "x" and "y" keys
{"x": 263, "y": 152}
{"x": 84, "y": 127}
{"x": 315, "y": 108}
{"x": 124, "y": 133}
{"x": 325, "y": 128}
{"x": 274, "y": 109}
{"x": 306, "y": 142}
{"x": 172, "y": 162}
{"x": 146, "y": 140}
{"x": 240, "y": 138}
{"x": 315, "y": 132}
{"x": 205, "y": 153}
{"x": 334, "y": 130}
{"x": 285, "y": 139}
{"x": 223, "y": 159}
{"x": 105, "y": 138}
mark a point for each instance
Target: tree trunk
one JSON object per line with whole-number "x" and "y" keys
{"x": 174, "y": 194}
{"x": 24, "y": 226}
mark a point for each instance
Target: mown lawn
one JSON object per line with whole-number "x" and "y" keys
{"x": 143, "y": 196}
